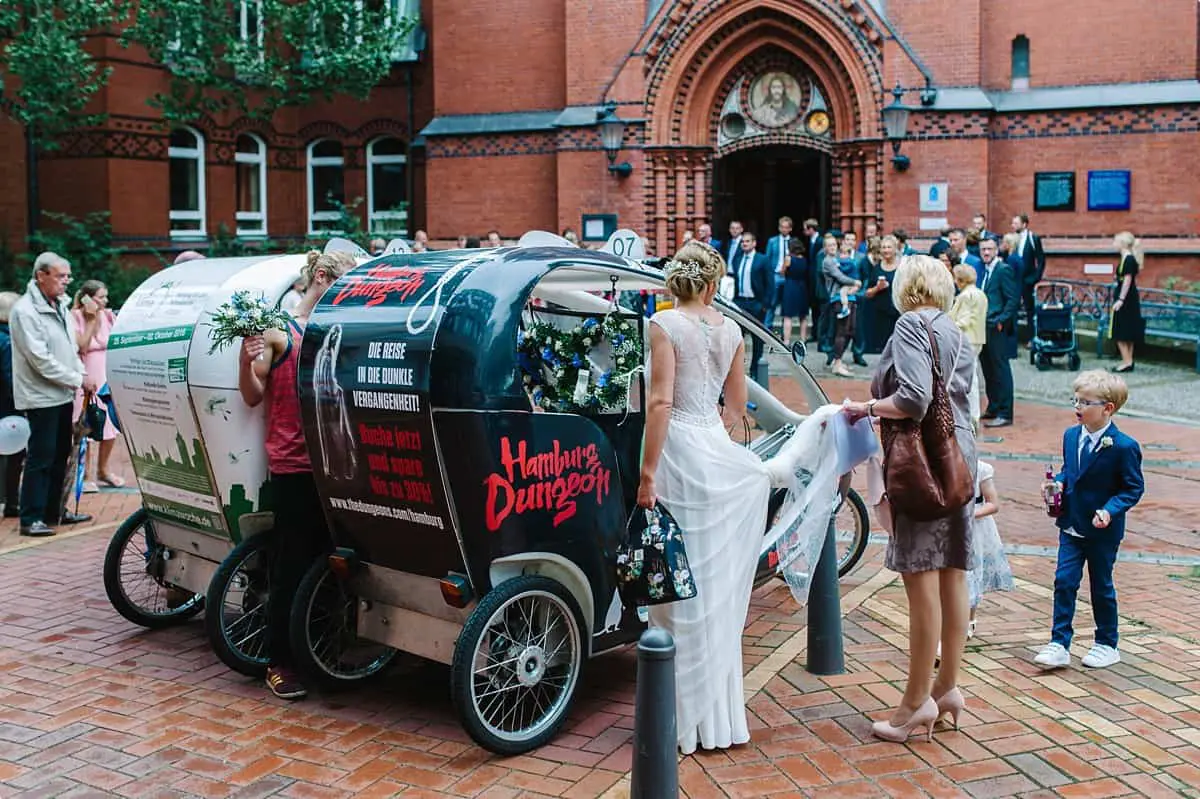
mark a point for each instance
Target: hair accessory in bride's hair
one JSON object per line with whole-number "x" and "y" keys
{"x": 688, "y": 269}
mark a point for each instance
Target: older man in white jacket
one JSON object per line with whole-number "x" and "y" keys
{"x": 47, "y": 371}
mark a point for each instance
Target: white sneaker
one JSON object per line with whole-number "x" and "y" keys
{"x": 1101, "y": 656}
{"x": 1053, "y": 656}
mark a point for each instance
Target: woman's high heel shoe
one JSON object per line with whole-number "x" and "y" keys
{"x": 951, "y": 703}
{"x": 925, "y": 717}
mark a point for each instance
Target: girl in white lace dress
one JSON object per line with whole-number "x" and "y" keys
{"x": 993, "y": 572}
{"x": 718, "y": 492}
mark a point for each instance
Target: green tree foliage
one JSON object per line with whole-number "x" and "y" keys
{"x": 259, "y": 55}
{"x": 47, "y": 72}
{"x": 87, "y": 243}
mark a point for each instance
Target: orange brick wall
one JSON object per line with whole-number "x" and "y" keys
{"x": 1164, "y": 201}
{"x": 12, "y": 178}
{"x": 1082, "y": 42}
{"x": 471, "y": 195}
{"x": 498, "y": 55}
{"x": 946, "y": 35}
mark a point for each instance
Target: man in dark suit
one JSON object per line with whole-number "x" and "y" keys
{"x": 704, "y": 236}
{"x": 1033, "y": 261}
{"x": 999, "y": 283}
{"x": 754, "y": 287}
{"x": 729, "y": 249}
{"x": 942, "y": 244}
{"x": 958, "y": 244}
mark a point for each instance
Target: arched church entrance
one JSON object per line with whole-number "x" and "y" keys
{"x": 759, "y": 109}
{"x": 757, "y": 186}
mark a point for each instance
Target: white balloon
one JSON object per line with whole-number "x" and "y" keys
{"x": 14, "y": 434}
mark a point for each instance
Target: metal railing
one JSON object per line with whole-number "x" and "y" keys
{"x": 1168, "y": 314}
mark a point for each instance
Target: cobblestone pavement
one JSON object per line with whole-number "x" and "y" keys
{"x": 92, "y": 706}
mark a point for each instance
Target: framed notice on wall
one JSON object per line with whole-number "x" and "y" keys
{"x": 1054, "y": 191}
{"x": 1109, "y": 190}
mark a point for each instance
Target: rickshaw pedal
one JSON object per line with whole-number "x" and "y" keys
{"x": 344, "y": 563}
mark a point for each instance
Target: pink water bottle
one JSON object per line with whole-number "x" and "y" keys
{"x": 1053, "y": 495}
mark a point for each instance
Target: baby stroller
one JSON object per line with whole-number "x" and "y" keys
{"x": 1053, "y": 326}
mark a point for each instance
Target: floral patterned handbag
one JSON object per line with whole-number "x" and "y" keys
{"x": 652, "y": 565}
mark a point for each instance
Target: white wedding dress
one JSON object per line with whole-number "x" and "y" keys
{"x": 718, "y": 492}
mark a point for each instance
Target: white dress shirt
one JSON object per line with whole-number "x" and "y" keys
{"x": 1021, "y": 246}
{"x": 1090, "y": 441}
{"x": 783, "y": 253}
{"x": 745, "y": 284}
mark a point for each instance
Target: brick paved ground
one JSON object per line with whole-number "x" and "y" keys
{"x": 92, "y": 706}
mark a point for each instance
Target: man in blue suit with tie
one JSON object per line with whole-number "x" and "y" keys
{"x": 778, "y": 252}
{"x": 999, "y": 282}
{"x": 754, "y": 287}
{"x": 1100, "y": 481}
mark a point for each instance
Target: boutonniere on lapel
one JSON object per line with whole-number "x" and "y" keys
{"x": 1105, "y": 443}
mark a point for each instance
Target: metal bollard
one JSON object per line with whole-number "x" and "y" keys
{"x": 655, "y": 766}
{"x": 825, "y": 654}
{"x": 762, "y": 375}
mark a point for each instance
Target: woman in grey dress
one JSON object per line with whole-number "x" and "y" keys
{"x": 931, "y": 556}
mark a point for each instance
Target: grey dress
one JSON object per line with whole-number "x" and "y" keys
{"x": 905, "y": 373}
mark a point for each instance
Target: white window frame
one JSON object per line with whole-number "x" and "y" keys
{"x": 374, "y": 215}
{"x": 244, "y": 31}
{"x": 326, "y": 160}
{"x": 258, "y": 159}
{"x": 195, "y": 154}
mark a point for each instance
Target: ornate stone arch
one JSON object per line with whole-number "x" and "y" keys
{"x": 688, "y": 77}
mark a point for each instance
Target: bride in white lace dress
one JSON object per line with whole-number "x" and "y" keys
{"x": 718, "y": 492}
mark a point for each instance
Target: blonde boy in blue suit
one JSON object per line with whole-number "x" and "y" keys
{"x": 1100, "y": 481}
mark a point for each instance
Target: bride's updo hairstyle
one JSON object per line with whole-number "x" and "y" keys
{"x": 693, "y": 269}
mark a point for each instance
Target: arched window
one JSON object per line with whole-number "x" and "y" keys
{"x": 387, "y": 187}
{"x": 251, "y": 161}
{"x": 185, "y": 152}
{"x": 326, "y": 186}
{"x": 1020, "y": 62}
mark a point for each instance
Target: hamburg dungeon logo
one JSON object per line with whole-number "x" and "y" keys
{"x": 379, "y": 283}
{"x": 550, "y": 481}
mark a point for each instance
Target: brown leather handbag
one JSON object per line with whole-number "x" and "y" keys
{"x": 924, "y": 472}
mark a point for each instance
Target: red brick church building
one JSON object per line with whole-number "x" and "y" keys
{"x": 1084, "y": 115}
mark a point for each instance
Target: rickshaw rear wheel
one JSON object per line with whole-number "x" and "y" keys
{"x": 517, "y": 663}
{"x": 851, "y": 541}
{"x": 324, "y": 632}
{"x": 133, "y": 568}
{"x": 236, "y": 621}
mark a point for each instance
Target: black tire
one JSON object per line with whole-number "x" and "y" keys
{"x": 861, "y": 535}
{"x": 236, "y": 621}
{"x": 1043, "y": 362}
{"x": 1032, "y": 356}
{"x": 1074, "y": 361}
{"x": 135, "y": 553}
{"x": 498, "y": 623}
{"x": 851, "y": 542}
{"x": 323, "y": 632}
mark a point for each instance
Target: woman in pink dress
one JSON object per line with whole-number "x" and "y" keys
{"x": 93, "y": 323}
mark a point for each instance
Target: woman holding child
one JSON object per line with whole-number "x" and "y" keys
{"x": 931, "y": 556}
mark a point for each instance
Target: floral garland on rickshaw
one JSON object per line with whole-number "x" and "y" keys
{"x": 559, "y": 373}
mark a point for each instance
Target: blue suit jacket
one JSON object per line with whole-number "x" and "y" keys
{"x": 773, "y": 256}
{"x": 1109, "y": 479}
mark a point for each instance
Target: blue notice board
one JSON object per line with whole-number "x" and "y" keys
{"x": 1108, "y": 190}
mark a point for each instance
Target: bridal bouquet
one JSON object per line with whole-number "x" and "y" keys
{"x": 244, "y": 316}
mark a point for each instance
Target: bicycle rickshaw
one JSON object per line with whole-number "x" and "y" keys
{"x": 477, "y": 508}
{"x": 197, "y": 450}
